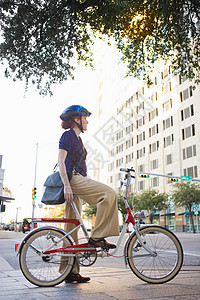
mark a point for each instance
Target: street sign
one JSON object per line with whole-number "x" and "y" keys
{"x": 186, "y": 178}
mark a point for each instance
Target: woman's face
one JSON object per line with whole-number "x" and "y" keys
{"x": 84, "y": 123}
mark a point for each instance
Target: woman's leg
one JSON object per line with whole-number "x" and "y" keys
{"x": 69, "y": 214}
{"x": 105, "y": 198}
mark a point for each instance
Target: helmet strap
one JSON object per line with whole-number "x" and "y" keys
{"x": 80, "y": 126}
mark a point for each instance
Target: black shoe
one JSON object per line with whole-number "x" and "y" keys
{"x": 100, "y": 243}
{"x": 76, "y": 277}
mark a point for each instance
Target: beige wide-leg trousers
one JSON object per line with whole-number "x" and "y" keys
{"x": 97, "y": 194}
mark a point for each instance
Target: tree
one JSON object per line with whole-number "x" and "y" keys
{"x": 56, "y": 212}
{"x": 161, "y": 29}
{"x": 187, "y": 194}
{"x": 152, "y": 201}
{"x": 90, "y": 210}
{"x": 41, "y": 39}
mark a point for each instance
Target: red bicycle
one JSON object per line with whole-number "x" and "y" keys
{"x": 153, "y": 253}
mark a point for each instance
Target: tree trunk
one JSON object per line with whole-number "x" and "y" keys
{"x": 124, "y": 218}
{"x": 151, "y": 218}
{"x": 192, "y": 221}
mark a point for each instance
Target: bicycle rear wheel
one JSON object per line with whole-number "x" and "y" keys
{"x": 168, "y": 258}
{"x": 45, "y": 270}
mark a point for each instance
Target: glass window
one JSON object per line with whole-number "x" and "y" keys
{"x": 195, "y": 172}
{"x": 192, "y": 110}
{"x": 190, "y": 171}
{"x": 181, "y": 97}
{"x": 193, "y": 129}
{"x": 168, "y": 123}
{"x": 194, "y": 150}
{"x": 185, "y": 94}
{"x": 187, "y": 112}
{"x": 189, "y": 152}
{"x": 169, "y": 159}
{"x": 164, "y": 125}
{"x": 183, "y": 134}
{"x": 191, "y": 91}
{"x": 184, "y": 157}
{"x": 141, "y": 185}
{"x": 141, "y": 168}
{"x": 188, "y": 132}
{"x": 154, "y": 181}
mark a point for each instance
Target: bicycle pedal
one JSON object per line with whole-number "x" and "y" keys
{"x": 106, "y": 249}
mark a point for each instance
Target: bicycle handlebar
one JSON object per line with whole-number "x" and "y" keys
{"x": 127, "y": 169}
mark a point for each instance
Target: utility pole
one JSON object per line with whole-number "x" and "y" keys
{"x": 33, "y": 198}
{"x": 16, "y": 218}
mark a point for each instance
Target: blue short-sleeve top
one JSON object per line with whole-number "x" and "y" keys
{"x": 70, "y": 142}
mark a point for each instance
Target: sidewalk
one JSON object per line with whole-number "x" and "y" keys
{"x": 110, "y": 279}
{"x": 106, "y": 283}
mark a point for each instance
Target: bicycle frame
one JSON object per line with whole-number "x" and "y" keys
{"x": 67, "y": 251}
{"x": 42, "y": 250}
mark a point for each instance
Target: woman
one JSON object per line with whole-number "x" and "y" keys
{"x": 77, "y": 187}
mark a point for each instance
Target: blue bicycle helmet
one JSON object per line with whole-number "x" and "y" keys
{"x": 74, "y": 110}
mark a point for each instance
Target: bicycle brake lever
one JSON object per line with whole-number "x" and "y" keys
{"x": 121, "y": 183}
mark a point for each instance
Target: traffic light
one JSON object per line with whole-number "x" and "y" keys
{"x": 172, "y": 180}
{"x": 34, "y": 191}
{"x": 143, "y": 176}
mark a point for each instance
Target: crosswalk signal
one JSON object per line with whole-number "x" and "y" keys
{"x": 34, "y": 191}
{"x": 143, "y": 176}
{"x": 172, "y": 180}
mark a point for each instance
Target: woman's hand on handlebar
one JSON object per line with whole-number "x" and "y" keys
{"x": 68, "y": 194}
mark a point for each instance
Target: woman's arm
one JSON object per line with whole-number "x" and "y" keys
{"x": 68, "y": 195}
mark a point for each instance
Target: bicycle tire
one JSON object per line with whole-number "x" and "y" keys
{"x": 44, "y": 270}
{"x": 167, "y": 262}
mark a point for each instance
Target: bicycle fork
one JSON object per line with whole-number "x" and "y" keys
{"x": 142, "y": 243}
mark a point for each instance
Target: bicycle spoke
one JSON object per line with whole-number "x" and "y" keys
{"x": 167, "y": 262}
{"x": 41, "y": 269}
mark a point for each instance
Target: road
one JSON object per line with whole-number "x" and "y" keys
{"x": 110, "y": 279}
{"x": 190, "y": 243}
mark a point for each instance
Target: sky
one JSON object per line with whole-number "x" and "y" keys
{"x": 30, "y": 119}
{"x": 27, "y": 120}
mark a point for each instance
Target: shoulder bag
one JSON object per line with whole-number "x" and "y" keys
{"x": 54, "y": 188}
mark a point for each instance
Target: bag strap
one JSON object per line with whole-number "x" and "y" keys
{"x": 55, "y": 168}
{"x": 78, "y": 163}
{"x": 83, "y": 153}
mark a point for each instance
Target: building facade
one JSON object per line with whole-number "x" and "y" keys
{"x": 157, "y": 130}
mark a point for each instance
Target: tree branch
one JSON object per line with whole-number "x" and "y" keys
{"x": 80, "y": 6}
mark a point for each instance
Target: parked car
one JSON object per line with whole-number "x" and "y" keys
{"x": 12, "y": 226}
{"x": 26, "y": 225}
{"x": 19, "y": 226}
{"x": 6, "y": 226}
{"x": 2, "y": 226}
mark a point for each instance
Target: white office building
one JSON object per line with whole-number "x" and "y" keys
{"x": 156, "y": 129}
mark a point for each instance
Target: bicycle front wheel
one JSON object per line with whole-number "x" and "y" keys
{"x": 45, "y": 270}
{"x": 168, "y": 258}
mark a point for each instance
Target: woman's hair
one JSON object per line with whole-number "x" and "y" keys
{"x": 68, "y": 123}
